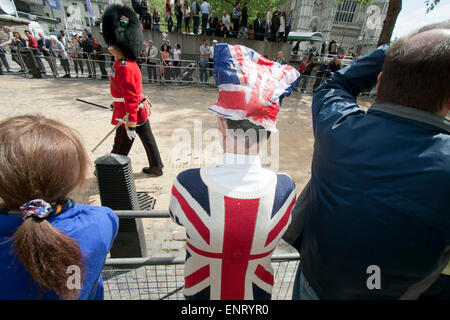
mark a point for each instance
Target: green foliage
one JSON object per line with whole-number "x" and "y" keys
{"x": 431, "y": 4}
{"x": 254, "y": 7}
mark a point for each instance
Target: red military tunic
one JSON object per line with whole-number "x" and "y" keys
{"x": 126, "y": 90}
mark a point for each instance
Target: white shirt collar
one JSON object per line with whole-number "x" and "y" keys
{"x": 240, "y": 160}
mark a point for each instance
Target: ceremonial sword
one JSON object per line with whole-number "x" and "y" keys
{"x": 123, "y": 120}
{"x": 94, "y": 104}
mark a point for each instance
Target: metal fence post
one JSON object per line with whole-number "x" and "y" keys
{"x": 118, "y": 191}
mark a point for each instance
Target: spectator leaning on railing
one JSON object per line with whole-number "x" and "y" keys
{"x": 204, "y": 61}
{"x": 98, "y": 55}
{"x": 3, "y": 51}
{"x": 151, "y": 54}
{"x": 86, "y": 44}
{"x": 58, "y": 50}
{"x": 44, "y": 46}
{"x": 76, "y": 53}
{"x": 17, "y": 45}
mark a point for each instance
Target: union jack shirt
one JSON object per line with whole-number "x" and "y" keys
{"x": 230, "y": 235}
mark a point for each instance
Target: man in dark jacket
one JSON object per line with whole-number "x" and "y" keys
{"x": 244, "y": 21}
{"x": 376, "y": 211}
{"x": 86, "y": 44}
{"x": 257, "y": 28}
{"x": 44, "y": 46}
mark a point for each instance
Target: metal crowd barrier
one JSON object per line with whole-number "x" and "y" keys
{"x": 161, "y": 278}
{"x": 154, "y": 71}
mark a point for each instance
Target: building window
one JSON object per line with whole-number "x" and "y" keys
{"x": 345, "y": 11}
{"x": 87, "y": 21}
{"x": 85, "y": 7}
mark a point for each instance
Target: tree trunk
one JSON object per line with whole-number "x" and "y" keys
{"x": 395, "y": 6}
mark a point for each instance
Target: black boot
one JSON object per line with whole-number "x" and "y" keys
{"x": 155, "y": 172}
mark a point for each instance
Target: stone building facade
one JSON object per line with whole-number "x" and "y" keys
{"x": 353, "y": 26}
{"x": 53, "y": 19}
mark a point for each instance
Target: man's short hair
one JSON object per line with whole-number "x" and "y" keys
{"x": 416, "y": 72}
{"x": 248, "y": 129}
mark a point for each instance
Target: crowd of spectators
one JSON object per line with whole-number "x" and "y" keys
{"x": 368, "y": 202}
{"x": 161, "y": 64}
{"x": 275, "y": 25}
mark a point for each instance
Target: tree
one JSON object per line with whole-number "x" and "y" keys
{"x": 254, "y": 6}
{"x": 431, "y": 4}
{"x": 395, "y": 6}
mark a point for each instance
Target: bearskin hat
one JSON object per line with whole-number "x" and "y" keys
{"x": 121, "y": 28}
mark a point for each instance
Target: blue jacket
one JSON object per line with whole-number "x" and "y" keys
{"x": 379, "y": 192}
{"x": 93, "y": 227}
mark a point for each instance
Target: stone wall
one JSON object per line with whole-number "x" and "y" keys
{"x": 190, "y": 44}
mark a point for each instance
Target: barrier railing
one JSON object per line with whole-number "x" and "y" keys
{"x": 163, "y": 277}
{"x": 154, "y": 71}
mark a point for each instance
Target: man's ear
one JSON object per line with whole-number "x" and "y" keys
{"x": 378, "y": 81}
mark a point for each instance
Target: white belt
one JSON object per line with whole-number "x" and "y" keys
{"x": 123, "y": 100}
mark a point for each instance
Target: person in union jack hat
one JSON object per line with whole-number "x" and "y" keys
{"x": 131, "y": 109}
{"x": 236, "y": 212}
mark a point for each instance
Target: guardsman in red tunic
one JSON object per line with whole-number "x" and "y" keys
{"x": 123, "y": 34}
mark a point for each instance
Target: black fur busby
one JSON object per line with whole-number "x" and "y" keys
{"x": 121, "y": 28}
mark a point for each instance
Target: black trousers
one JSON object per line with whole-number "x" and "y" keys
{"x": 122, "y": 144}
{"x": 152, "y": 72}
{"x": 196, "y": 24}
{"x": 204, "y": 22}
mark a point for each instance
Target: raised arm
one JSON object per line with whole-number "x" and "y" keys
{"x": 335, "y": 99}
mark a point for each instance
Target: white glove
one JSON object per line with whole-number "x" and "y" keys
{"x": 131, "y": 133}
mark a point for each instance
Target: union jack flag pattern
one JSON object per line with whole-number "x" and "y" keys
{"x": 250, "y": 86}
{"x": 230, "y": 236}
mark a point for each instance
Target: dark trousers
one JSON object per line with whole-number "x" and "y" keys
{"x": 204, "y": 22}
{"x": 78, "y": 62}
{"x": 186, "y": 24}
{"x": 52, "y": 65}
{"x": 17, "y": 58}
{"x": 179, "y": 22}
{"x": 101, "y": 64}
{"x": 235, "y": 26}
{"x": 122, "y": 144}
{"x": 4, "y": 61}
{"x": 196, "y": 24}
{"x": 65, "y": 65}
{"x": 169, "y": 24}
{"x": 37, "y": 58}
{"x": 88, "y": 63}
{"x": 152, "y": 72}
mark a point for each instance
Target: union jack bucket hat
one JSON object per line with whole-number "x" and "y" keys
{"x": 250, "y": 86}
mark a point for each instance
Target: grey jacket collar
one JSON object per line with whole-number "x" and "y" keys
{"x": 413, "y": 114}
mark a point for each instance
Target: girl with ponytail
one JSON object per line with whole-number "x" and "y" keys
{"x": 58, "y": 248}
